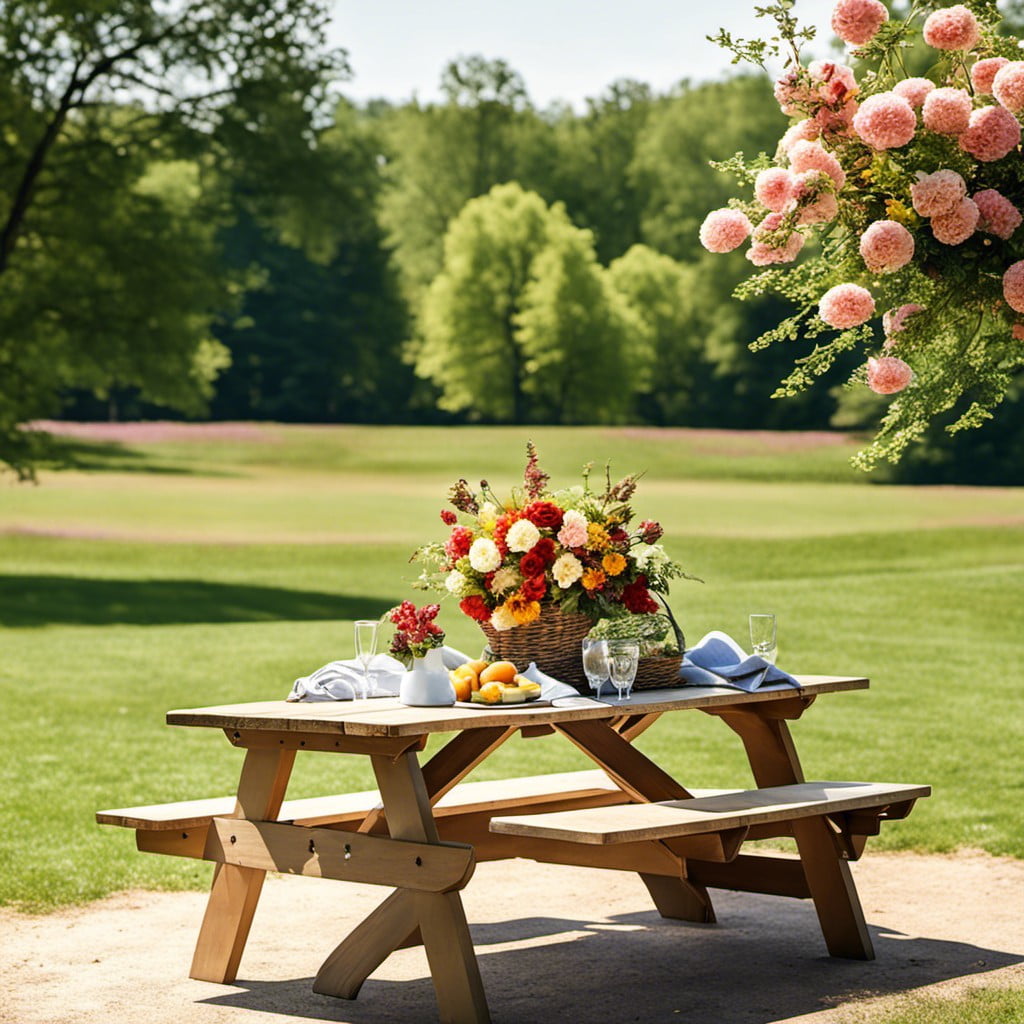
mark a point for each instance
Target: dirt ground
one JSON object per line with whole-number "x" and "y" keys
{"x": 555, "y": 944}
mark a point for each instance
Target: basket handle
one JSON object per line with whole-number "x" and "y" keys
{"x": 680, "y": 639}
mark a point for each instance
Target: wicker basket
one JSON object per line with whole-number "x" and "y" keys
{"x": 552, "y": 641}
{"x": 658, "y": 673}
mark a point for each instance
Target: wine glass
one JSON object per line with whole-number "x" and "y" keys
{"x": 623, "y": 658}
{"x": 366, "y": 633}
{"x": 763, "y": 637}
{"x": 595, "y": 663}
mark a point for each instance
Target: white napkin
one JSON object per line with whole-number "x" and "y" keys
{"x": 550, "y": 688}
{"x": 717, "y": 660}
{"x": 342, "y": 680}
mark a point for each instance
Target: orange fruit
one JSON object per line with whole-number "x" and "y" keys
{"x": 477, "y": 666}
{"x": 463, "y": 685}
{"x": 498, "y": 672}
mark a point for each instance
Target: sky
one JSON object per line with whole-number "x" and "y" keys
{"x": 564, "y": 49}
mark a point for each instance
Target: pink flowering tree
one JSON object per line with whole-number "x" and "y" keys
{"x": 890, "y": 213}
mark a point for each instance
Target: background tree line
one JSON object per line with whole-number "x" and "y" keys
{"x": 194, "y": 224}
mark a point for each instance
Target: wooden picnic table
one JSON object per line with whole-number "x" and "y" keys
{"x": 424, "y": 829}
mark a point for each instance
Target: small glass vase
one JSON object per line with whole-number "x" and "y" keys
{"x": 426, "y": 684}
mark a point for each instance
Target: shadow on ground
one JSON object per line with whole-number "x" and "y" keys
{"x": 69, "y": 600}
{"x": 753, "y": 969}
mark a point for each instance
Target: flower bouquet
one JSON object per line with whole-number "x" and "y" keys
{"x": 910, "y": 188}
{"x": 538, "y": 569}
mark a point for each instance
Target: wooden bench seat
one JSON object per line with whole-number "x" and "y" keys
{"x": 723, "y": 812}
{"x": 589, "y": 787}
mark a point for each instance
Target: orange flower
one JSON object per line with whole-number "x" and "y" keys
{"x": 597, "y": 537}
{"x": 613, "y": 563}
{"x": 593, "y": 579}
{"x": 522, "y": 610}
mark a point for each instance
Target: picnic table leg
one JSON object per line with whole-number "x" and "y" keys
{"x": 774, "y": 762}
{"x": 440, "y": 916}
{"x": 638, "y": 775}
{"x": 236, "y": 890}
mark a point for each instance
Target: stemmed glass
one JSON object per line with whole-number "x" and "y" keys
{"x": 623, "y": 659}
{"x": 366, "y": 632}
{"x": 763, "y": 638}
{"x": 595, "y": 664}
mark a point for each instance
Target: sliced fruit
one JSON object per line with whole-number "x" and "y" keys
{"x": 498, "y": 672}
{"x": 489, "y": 693}
{"x": 513, "y": 695}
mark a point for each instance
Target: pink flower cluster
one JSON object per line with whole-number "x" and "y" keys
{"x": 724, "y": 230}
{"x": 914, "y": 90}
{"x": 998, "y": 216}
{"x": 763, "y": 252}
{"x": 887, "y": 375}
{"x": 825, "y": 91}
{"x": 992, "y": 133}
{"x": 846, "y": 305}
{"x": 1008, "y": 86}
{"x": 947, "y": 111}
{"x": 886, "y": 246}
{"x": 885, "y": 121}
{"x": 1013, "y": 287}
{"x": 896, "y": 320}
{"x": 857, "y": 21}
{"x": 952, "y": 28}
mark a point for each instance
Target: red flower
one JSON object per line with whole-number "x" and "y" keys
{"x": 545, "y": 547}
{"x": 618, "y": 536}
{"x": 534, "y": 588}
{"x": 448, "y": 517}
{"x": 532, "y": 564}
{"x": 475, "y": 608}
{"x": 650, "y": 531}
{"x": 637, "y": 598}
{"x": 501, "y": 529}
{"x": 545, "y": 515}
{"x": 458, "y": 543}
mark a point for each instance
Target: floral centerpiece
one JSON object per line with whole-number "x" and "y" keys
{"x": 910, "y": 189}
{"x": 416, "y": 632}
{"x": 543, "y": 558}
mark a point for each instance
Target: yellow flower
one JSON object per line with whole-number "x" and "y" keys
{"x": 593, "y": 578}
{"x": 523, "y": 611}
{"x": 613, "y": 563}
{"x": 597, "y": 537}
{"x": 898, "y": 212}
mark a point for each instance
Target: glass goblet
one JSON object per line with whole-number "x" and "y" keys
{"x": 595, "y": 664}
{"x": 366, "y": 634}
{"x": 623, "y": 659}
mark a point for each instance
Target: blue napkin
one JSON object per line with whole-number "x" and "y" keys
{"x": 717, "y": 660}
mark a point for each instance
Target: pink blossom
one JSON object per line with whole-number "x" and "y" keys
{"x": 887, "y": 375}
{"x": 724, "y": 230}
{"x": 763, "y": 254}
{"x": 885, "y": 121}
{"x": 1008, "y": 86}
{"x": 998, "y": 215}
{"x": 774, "y": 188}
{"x": 834, "y": 75}
{"x": 937, "y": 193}
{"x": 984, "y": 72}
{"x": 1013, "y": 287}
{"x": 952, "y": 28}
{"x": 913, "y": 90}
{"x": 958, "y": 225}
{"x": 846, "y": 305}
{"x": 947, "y": 111}
{"x": 1018, "y": 332}
{"x": 813, "y": 196}
{"x": 802, "y": 131}
{"x": 791, "y": 93}
{"x": 886, "y": 246}
{"x": 992, "y": 134}
{"x": 573, "y": 533}
{"x": 857, "y": 21}
{"x": 896, "y": 320}
{"x": 811, "y": 156}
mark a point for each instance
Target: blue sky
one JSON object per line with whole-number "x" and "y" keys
{"x": 564, "y": 49}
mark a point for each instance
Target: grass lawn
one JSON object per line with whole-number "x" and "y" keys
{"x": 182, "y": 573}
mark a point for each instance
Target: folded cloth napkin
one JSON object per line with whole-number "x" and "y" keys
{"x": 342, "y": 680}
{"x": 550, "y": 688}
{"x": 717, "y": 660}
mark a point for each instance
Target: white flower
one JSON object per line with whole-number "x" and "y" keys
{"x": 456, "y": 583}
{"x": 566, "y": 570}
{"x": 522, "y": 535}
{"x": 505, "y": 579}
{"x": 487, "y": 517}
{"x": 484, "y": 555}
{"x": 502, "y": 619}
{"x": 649, "y": 557}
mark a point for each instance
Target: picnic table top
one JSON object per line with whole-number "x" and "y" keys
{"x": 386, "y": 716}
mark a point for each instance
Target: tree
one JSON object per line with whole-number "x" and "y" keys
{"x": 126, "y": 116}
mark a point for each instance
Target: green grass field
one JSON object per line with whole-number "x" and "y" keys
{"x": 196, "y": 572}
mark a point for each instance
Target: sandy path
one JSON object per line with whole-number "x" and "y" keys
{"x": 556, "y": 945}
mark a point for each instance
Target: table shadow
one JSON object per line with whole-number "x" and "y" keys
{"x": 750, "y": 969}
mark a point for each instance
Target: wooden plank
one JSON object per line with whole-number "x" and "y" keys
{"x": 331, "y": 743}
{"x": 753, "y": 872}
{"x": 323, "y": 853}
{"x": 387, "y": 717}
{"x": 677, "y": 818}
{"x": 235, "y": 891}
